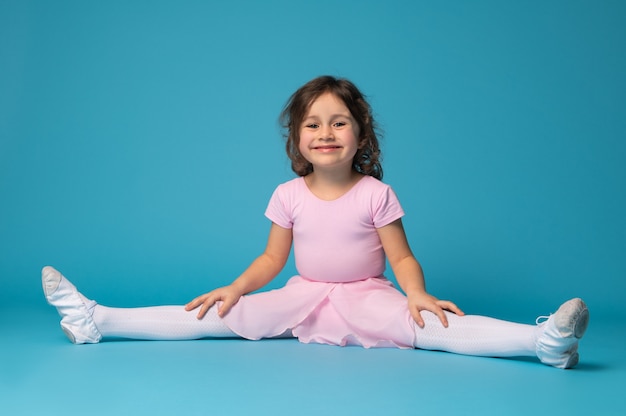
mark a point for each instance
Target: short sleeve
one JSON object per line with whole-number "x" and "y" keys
{"x": 387, "y": 208}
{"x": 278, "y": 210}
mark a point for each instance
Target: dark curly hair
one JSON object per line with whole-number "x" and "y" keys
{"x": 368, "y": 156}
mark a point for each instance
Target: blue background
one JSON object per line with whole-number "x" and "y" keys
{"x": 139, "y": 141}
{"x": 139, "y": 146}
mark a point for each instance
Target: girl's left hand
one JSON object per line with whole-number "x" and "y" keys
{"x": 423, "y": 301}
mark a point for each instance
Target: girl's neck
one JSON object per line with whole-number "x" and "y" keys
{"x": 331, "y": 185}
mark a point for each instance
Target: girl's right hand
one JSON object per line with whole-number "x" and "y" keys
{"x": 228, "y": 295}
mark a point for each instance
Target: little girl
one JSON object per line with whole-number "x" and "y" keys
{"x": 343, "y": 223}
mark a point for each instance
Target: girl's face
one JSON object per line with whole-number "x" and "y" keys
{"x": 329, "y": 135}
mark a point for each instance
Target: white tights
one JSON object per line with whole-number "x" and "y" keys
{"x": 470, "y": 335}
{"x": 158, "y": 323}
{"x": 476, "y": 335}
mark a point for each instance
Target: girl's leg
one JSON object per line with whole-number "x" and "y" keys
{"x": 158, "y": 323}
{"x": 84, "y": 321}
{"x": 554, "y": 342}
{"x": 475, "y": 335}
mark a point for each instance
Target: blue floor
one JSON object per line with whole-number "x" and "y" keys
{"x": 42, "y": 373}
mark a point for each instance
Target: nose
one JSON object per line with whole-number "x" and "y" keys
{"x": 326, "y": 133}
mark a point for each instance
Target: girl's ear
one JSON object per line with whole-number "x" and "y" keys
{"x": 362, "y": 142}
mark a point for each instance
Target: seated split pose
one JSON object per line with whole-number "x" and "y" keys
{"x": 343, "y": 223}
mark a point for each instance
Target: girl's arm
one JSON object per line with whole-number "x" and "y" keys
{"x": 258, "y": 274}
{"x": 409, "y": 275}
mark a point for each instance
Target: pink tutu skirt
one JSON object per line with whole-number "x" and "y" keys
{"x": 369, "y": 313}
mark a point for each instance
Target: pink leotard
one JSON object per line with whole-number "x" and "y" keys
{"x": 336, "y": 241}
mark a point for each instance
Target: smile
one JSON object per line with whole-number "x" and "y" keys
{"x": 326, "y": 148}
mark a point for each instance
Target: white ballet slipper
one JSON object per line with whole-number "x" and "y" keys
{"x": 558, "y": 336}
{"x": 73, "y": 307}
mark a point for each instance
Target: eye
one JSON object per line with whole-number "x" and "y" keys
{"x": 339, "y": 124}
{"x": 311, "y": 126}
